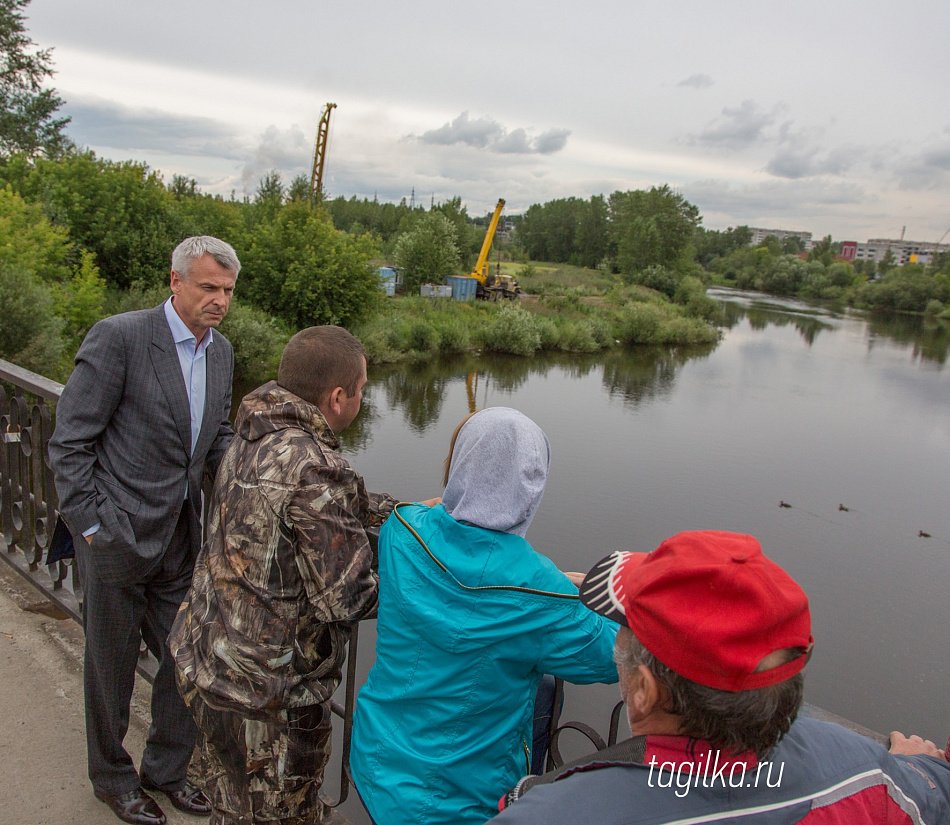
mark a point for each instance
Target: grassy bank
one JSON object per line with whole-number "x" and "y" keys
{"x": 567, "y": 309}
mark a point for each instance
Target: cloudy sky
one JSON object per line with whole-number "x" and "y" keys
{"x": 827, "y": 116}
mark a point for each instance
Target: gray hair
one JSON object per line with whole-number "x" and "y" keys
{"x": 191, "y": 249}
{"x": 747, "y": 720}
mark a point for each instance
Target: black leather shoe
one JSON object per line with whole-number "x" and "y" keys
{"x": 188, "y": 798}
{"x": 135, "y": 807}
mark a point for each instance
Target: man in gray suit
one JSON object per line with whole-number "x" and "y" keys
{"x": 142, "y": 418}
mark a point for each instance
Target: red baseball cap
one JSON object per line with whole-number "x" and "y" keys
{"x": 707, "y": 604}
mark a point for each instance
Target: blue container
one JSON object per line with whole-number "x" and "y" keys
{"x": 387, "y": 279}
{"x": 463, "y": 287}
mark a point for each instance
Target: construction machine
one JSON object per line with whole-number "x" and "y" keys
{"x": 493, "y": 287}
{"x": 320, "y": 153}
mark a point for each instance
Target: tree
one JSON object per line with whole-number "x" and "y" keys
{"x": 822, "y": 251}
{"x": 182, "y": 187}
{"x": 271, "y": 189}
{"x": 29, "y": 242}
{"x": 467, "y": 237}
{"x": 773, "y": 245}
{"x": 31, "y": 333}
{"x": 121, "y": 212}
{"x": 299, "y": 189}
{"x": 301, "y": 269}
{"x": 887, "y": 262}
{"x": 712, "y": 244}
{"x": 591, "y": 239}
{"x": 651, "y": 228}
{"x": 27, "y": 122}
{"x": 429, "y": 251}
{"x": 792, "y": 245}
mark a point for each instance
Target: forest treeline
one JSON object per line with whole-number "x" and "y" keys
{"x": 82, "y": 237}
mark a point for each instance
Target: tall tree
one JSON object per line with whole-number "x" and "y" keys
{"x": 429, "y": 251}
{"x": 27, "y": 122}
{"x": 301, "y": 269}
{"x": 651, "y": 228}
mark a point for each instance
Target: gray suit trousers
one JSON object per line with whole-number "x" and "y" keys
{"x": 116, "y": 620}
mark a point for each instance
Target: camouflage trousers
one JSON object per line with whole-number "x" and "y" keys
{"x": 262, "y": 772}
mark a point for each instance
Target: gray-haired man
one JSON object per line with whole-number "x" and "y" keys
{"x": 143, "y": 417}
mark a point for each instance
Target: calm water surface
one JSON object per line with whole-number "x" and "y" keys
{"x": 815, "y": 408}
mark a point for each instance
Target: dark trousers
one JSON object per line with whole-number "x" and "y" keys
{"x": 544, "y": 714}
{"x": 116, "y": 620}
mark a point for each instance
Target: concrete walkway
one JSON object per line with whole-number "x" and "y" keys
{"x": 42, "y": 729}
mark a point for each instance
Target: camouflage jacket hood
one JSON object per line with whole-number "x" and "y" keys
{"x": 286, "y": 568}
{"x": 270, "y": 409}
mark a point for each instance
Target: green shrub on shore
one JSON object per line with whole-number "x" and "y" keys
{"x": 513, "y": 330}
{"x": 649, "y": 324}
{"x": 413, "y": 328}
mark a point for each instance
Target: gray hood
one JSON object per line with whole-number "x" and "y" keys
{"x": 498, "y": 472}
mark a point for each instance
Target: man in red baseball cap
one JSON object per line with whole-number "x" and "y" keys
{"x": 710, "y": 652}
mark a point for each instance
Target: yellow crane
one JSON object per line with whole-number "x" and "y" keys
{"x": 320, "y": 153}
{"x": 493, "y": 287}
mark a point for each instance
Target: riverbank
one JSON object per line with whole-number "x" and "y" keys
{"x": 414, "y": 328}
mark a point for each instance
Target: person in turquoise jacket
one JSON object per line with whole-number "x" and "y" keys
{"x": 470, "y": 618}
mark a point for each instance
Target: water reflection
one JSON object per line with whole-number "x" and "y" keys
{"x": 647, "y": 373}
{"x": 928, "y": 339}
{"x": 762, "y": 314}
{"x": 418, "y": 391}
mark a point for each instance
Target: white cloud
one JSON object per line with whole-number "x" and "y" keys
{"x": 487, "y": 133}
{"x": 697, "y": 81}
{"x": 800, "y": 154}
{"x": 738, "y": 126}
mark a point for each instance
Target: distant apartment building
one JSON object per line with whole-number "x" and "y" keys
{"x": 904, "y": 252}
{"x": 759, "y": 235}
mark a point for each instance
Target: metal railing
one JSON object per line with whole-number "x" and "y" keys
{"x": 27, "y": 495}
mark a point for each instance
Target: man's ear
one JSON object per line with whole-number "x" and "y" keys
{"x": 335, "y": 399}
{"x": 643, "y": 692}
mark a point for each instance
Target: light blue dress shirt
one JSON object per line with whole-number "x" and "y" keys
{"x": 193, "y": 366}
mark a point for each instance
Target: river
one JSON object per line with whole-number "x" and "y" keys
{"x": 842, "y": 417}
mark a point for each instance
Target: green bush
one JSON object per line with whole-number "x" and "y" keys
{"x": 138, "y": 296}
{"x": 513, "y": 330}
{"x": 548, "y": 332}
{"x": 651, "y": 324}
{"x": 691, "y": 295}
{"x": 31, "y": 334}
{"x": 578, "y": 336}
{"x": 258, "y": 341}
{"x": 421, "y": 337}
{"x": 934, "y": 307}
{"x": 378, "y": 343}
{"x": 640, "y": 324}
{"x": 657, "y": 277}
{"x": 902, "y": 290}
{"x": 453, "y": 336}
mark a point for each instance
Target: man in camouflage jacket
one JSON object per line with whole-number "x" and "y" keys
{"x": 284, "y": 573}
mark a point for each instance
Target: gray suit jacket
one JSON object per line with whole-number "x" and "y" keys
{"x": 121, "y": 450}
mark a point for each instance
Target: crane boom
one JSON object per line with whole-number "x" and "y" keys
{"x": 320, "y": 152}
{"x": 481, "y": 264}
